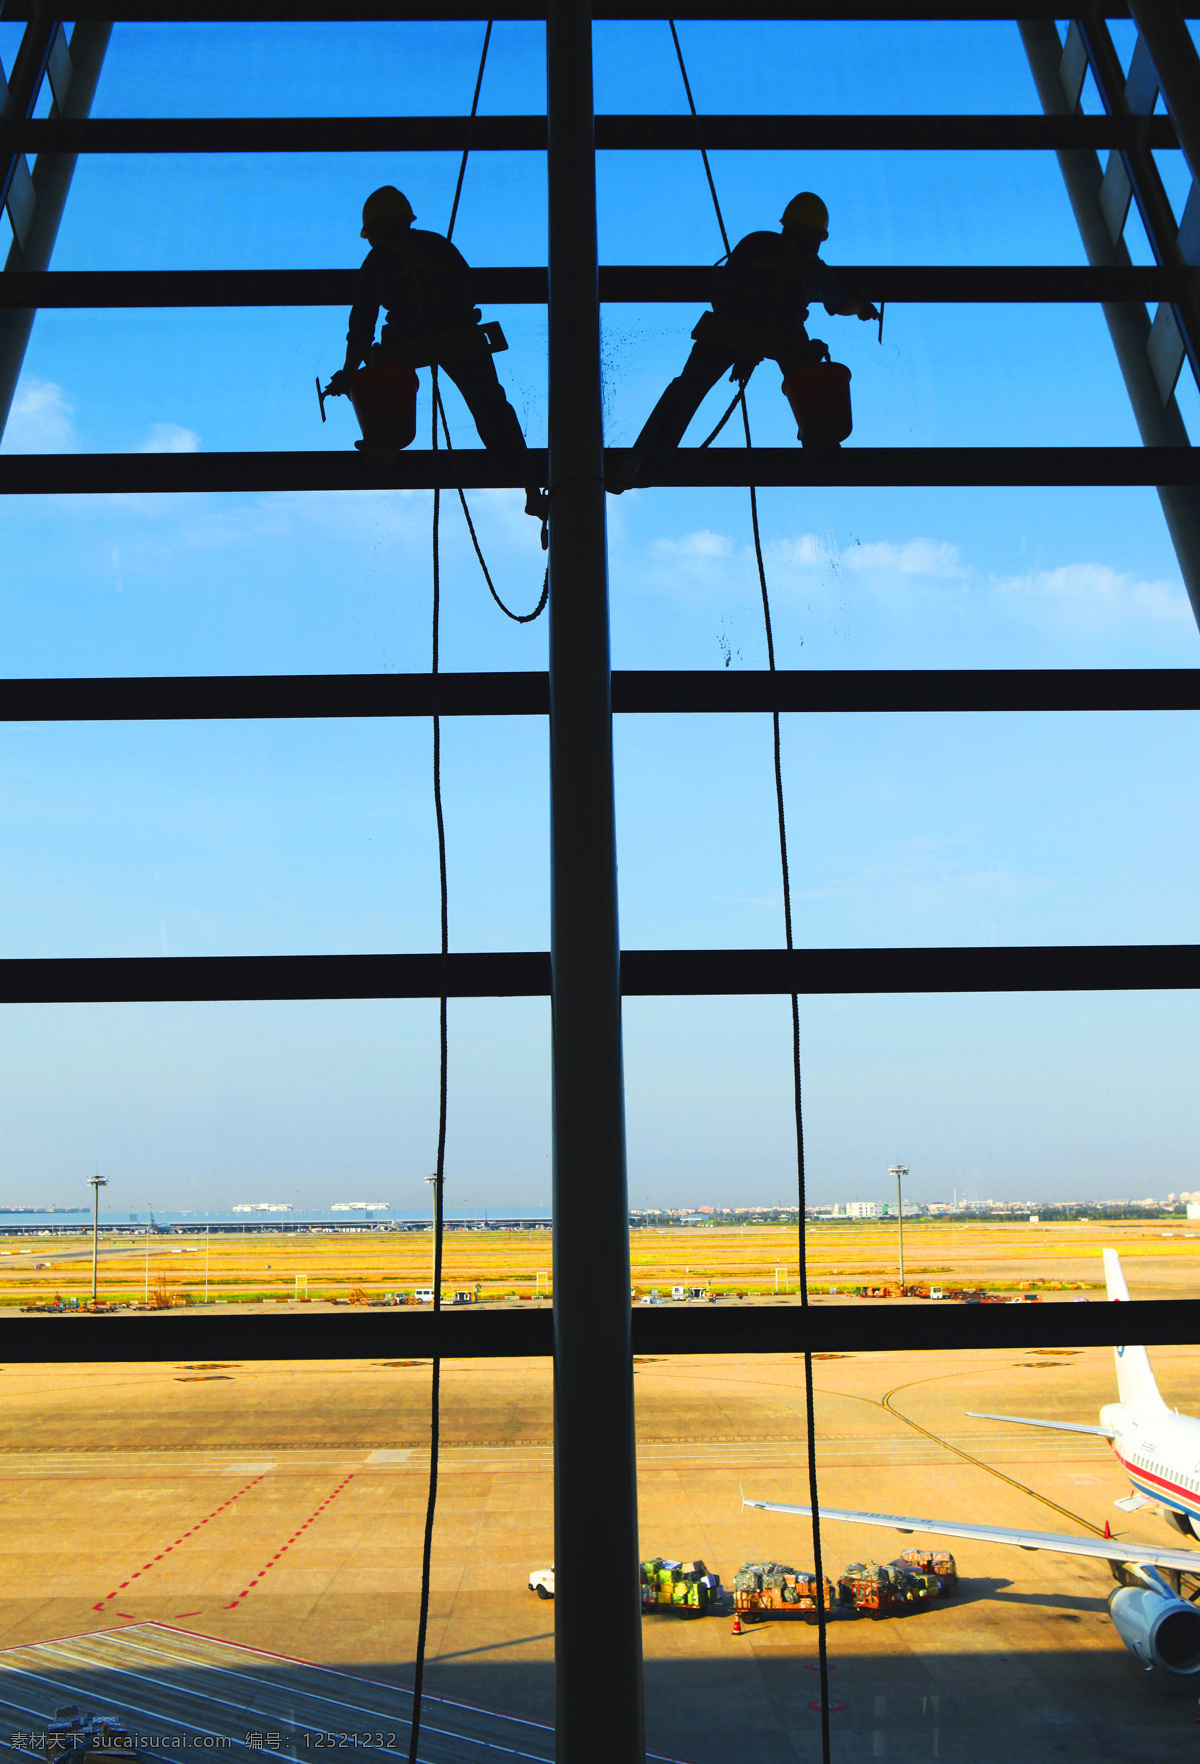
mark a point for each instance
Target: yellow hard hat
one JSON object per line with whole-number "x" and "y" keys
{"x": 386, "y": 204}
{"x": 807, "y": 210}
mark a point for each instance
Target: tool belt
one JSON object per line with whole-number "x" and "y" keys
{"x": 429, "y": 348}
{"x": 743, "y": 340}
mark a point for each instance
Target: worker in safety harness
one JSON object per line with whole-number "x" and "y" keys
{"x": 425, "y": 286}
{"x": 760, "y": 306}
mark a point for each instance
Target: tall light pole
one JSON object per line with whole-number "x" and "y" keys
{"x": 900, "y": 1171}
{"x": 96, "y": 1183}
{"x": 433, "y": 1180}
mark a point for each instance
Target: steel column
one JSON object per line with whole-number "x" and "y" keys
{"x": 51, "y": 180}
{"x": 598, "y": 1639}
{"x": 1128, "y": 325}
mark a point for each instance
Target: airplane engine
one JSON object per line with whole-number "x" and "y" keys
{"x": 1159, "y": 1630}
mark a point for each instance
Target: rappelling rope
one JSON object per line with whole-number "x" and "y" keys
{"x": 809, "y": 1401}
{"x": 687, "y": 86}
{"x": 439, "y": 1179}
{"x": 517, "y": 618}
{"x": 462, "y": 170}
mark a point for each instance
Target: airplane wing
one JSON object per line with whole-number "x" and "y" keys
{"x": 1110, "y": 1549}
{"x": 1058, "y": 1426}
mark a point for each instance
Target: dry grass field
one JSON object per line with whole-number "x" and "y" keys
{"x": 179, "y": 1541}
{"x": 1162, "y": 1260}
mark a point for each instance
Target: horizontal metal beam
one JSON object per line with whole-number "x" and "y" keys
{"x": 192, "y": 979}
{"x": 915, "y": 689}
{"x": 113, "y": 474}
{"x": 484, "y": 1333}
{"x": 181, "y": 698}
{"x": 619, "y": 284}
{"x": 450, "y": 134}
{"x": 1049, "y": 968}
{"x": 386, "y": 11}
{"x": 645, "y": 973}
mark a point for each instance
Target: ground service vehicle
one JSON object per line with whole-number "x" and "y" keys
{"x": 86, "y": 1735}
{"x": 686, "y": 1588}
{"x": 777, "y": 1588}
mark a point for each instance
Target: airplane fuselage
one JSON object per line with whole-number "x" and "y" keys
{"x": 1159, "y": 1451}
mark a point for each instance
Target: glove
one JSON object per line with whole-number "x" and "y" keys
{"x": 867, "y": 311}
{"x": 339, "y": 384}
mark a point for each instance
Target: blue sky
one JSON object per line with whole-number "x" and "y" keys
{"x": 191, "y": 839}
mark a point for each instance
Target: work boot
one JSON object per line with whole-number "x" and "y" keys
{"x": 384, "y": 456}
{"x": 537, "y": 503}
{"x": 624, "y": 475}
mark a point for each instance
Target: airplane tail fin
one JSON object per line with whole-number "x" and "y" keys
{"x": 1135, "y": 1380}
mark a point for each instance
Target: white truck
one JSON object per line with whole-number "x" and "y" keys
{"x": 541, "y": 1581}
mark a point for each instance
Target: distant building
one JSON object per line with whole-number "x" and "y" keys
{"x": 1193, "y": 1209}
{"x": 862, "y": 1210}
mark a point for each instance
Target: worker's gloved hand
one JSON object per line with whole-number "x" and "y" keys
{"x": 867, "y": 311}
{"x": 339, "y": 384}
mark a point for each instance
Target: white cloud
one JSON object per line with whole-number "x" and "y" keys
{"x": 701, "y": 544}
{"x": 170, "y": 438}
{"x": 40, "y": 420}
{"x": 1093, "y": 596}
{"x": 915, "y": 557}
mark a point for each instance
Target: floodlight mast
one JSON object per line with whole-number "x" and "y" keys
{"x": 96, "y": 1183}
{"x": 433, "y": 1202}
{"x": 595, "y": 1468}
{"x": 900, "y": 1171}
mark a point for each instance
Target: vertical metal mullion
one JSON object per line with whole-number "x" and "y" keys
{"x": 597, "y": 1613}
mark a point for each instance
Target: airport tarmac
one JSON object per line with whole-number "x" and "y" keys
{"x": 277, "y": 1509}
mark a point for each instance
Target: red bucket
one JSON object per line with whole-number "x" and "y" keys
{"x": 819, "y": 394}
{"x": 384, "y": 397}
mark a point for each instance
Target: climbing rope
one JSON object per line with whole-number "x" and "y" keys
{"x": 439, "y": 1180}
{"x": 797, "y": 1091}
{"x": 462, "y": 170}
{"x": 687, "y": 86}
{"x": 709, "y": 439}
{"x": 517, "y": 618}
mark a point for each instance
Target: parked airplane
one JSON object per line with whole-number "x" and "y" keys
{"x": 1160, "y": 1451}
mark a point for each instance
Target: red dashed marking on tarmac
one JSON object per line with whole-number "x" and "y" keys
{"x": 138, "y": 1572}
{"x": 245, "y": 1593}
